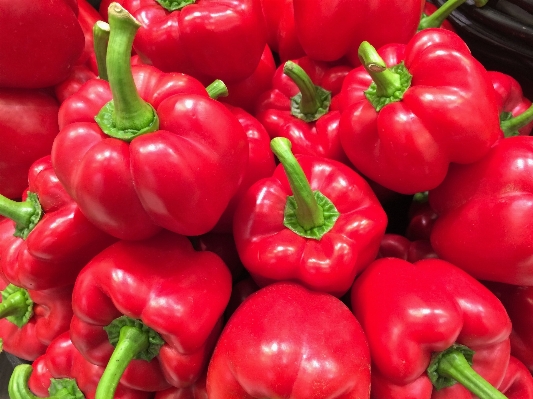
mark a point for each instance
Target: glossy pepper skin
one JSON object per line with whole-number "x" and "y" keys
{"x": 409, "y": 311}
{"x": 281, "y": 31}
{"x": 40, "y": 42}
{"x": 49, "y": 240}
{"x": 261, "y": 164}
{"x": 518, "y": 301}
{"x": 306, "y": 121}
{"x": 30, "y": 320}
{"x": 62, "y": 365}
{"x": 24, "y": 143}
{"x": 171, "y": 290}
{"x": 518, "y": 381}
{"x": 281, "y": 343}
{"x": 208, "y": 39}
{"x": 447, "y": 113}
{"x": 333, "y": 29}
{"x": 399, "y": 246}
{"x": 483, "y": 224}
{"x": 177, "y": 170}
{"x": 324, "y": 256}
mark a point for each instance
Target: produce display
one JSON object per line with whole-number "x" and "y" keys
{"x": 281, "y": 199}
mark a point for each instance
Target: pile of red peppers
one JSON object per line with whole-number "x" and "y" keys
{"x": 237, "y": 199}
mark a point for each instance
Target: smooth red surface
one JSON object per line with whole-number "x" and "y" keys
{"x": 410, "y": 310}
{"x": 448, "y": 115}
{"x": 272, "y": 252}
{"x": 28, "y": 126}
{"x": 61, "y": 243}
{"x": 485, "y": 214}
{"x": 286, "y": 341}
{"x": 329, "y": 30}
{"x": 211, "y": 39}
{"x": 40, "y": 42}
{"x": 173, "y": 289}
{"x": 180, "y": 177}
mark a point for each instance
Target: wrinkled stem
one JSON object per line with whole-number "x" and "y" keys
{"x": 308, "y": 213}
{"x": 387, "y": 82}
{"x": 309, "y": 103}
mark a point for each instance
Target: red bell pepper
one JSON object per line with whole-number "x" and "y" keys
{"x": 485, "y": 214}
{"x": 286, "y": 341}
{"x": 518, "y": 301}
{"x": 195, "y": 391}
{"x": 333, "y": 29}
{"x": 173, "y": 157}
{"x": 28, "y": 126}
{"x": 241, "y": 290}
{"x": 298, "y": 107}
{"x": 431, "y": 326}
{"x": 518, "y": 381}
{"x": 410, "y": 113}
{"x": 245, "y": 93}
{"x": 48, "y": 240}
{"x": 209, "y": 39}
{"x": 87, "y": 18}
{"x": 40, "y": 42}
{"x": 398, "y": 246}
{"x": 261, "y": 161}
{"x": 158, "y": 302}
{"x": 511, "y": 104}
{"x": 421, "y": 218}
{"x": 281, "y": 31}
{"x": 30, "y": 319}
{"x": 315, "y": 221}
{"x": 62, "y": 372}
{"x": 222, "y": 244}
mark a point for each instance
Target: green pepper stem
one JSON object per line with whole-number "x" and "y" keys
{"x": 132, "y": 340}
{"x": 14, "y": 304}
{"x": 65, "y": 388}
{"x": 101, "y": 41}
{"x": 131, "y": 112}
{"x": 19, "y": 212}
{"x": 454, "y": 365}
{"x": 387, "y": 82}
{"x": 217, "y": 89}
{"x": 511, "y": 125}
{"x": 309, "y": 102}
{"x": 436, "y": 19}
{"x": 308, "y": 213}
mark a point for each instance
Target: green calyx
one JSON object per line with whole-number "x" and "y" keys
{"x": 64, "y": 388}
{"x": 132, "y": 339}
{"x": 389, "y": 84}
{"x": 173, "y": 5}
{"x": 25, "y": 214}
{"x": 16, "y": 305}
{"x": 454, "y": 365}
{"x": 312, "y": 101}
{"x": 127, "y": 116}
{"x": 308, "y": 213}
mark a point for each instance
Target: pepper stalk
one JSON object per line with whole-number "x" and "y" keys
{"x": 511, "y": 124}
{"x": 388, "y": 84}
{"x": 25, "y": 214}
{"x": 454, "y": 365}
{"x": 312, "y": 101}
{"x": 308, "y": 213}
{"x": 436, "y": 19}
{"x": 127, "y": 115}
{"x": 132, "y": 339}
